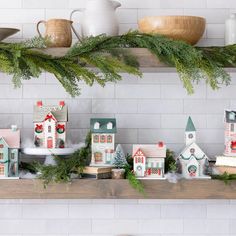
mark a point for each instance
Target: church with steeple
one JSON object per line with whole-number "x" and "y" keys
{"x": 192, "y": 160}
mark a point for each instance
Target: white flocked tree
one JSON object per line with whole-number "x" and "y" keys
{"x": 119, "y": 157}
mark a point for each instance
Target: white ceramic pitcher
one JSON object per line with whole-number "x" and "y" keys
{"x": 99, "y": 17}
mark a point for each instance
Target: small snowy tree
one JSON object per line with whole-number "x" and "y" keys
{"x": 119, "y": 157}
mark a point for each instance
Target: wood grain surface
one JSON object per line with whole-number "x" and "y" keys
{"x": 117, "y": 189}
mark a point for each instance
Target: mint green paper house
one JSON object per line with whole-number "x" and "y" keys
{"x": 103, "y": 141}
{"x": 9, "y": 153}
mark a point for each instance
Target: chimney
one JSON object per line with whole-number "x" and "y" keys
{"x": 13, "y": 128}
{"x": 62, "y": 103}
{"x": 39, "y": 103}
{"x": 160, "y": 144}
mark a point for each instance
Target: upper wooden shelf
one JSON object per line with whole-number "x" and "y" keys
{"x": 148, "y": 62}
{"x": 117, "y": 189}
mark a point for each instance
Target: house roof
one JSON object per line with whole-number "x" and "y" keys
{"x": 190, "y": 126}
{"x": 193, "y": 145}
{"x": 59, "y": 112}
{"x": 103, "y": 125}
{"x": 150, "y": 150}
{"x": 12, "y": 138}
{"x": 228, "y": 118}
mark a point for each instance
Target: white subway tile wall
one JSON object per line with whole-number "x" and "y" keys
{"x": 118, "y": 217}
{"x": 147, "y": 110}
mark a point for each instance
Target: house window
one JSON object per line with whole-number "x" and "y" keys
{"x": 12, "y": 156}
{"x": 96, "y": 125}
{"x": 190, "y": 136}
{"x": 109, "y": 139}
{"x": 49, "y": 129}
{"x": 192, "y": 150}
{"x": 1, "y": 156}
{"x": 231, "y": 127}
{"x": 140, "y": 159}
{"x": 109, "y": 125}
{"x": 96, "y": 139}
{"x": 1, "y": 169}
{"x": 103, "y": 139}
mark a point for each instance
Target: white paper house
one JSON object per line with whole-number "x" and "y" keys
{"x": 192, "y": 160}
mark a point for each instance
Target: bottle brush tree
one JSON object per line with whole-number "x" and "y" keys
{"x": 119, "y": 157}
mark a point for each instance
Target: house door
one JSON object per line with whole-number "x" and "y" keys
{"x": 139, "y": 171}
{"x": 49, "y": 142}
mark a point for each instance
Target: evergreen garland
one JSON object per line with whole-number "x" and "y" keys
{"x": 226, "y": 177}
{"x": 61, "y": 172}
{"x": 107, "y": 54}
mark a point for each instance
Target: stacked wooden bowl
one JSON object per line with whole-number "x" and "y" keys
{"x": 186, "y": 28}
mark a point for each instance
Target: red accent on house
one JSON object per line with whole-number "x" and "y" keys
{"x": 233, "y": 145}
{"x": 60, "y": 127}
{"x": 39, "y": 103}
{"x": 48, "y": 116}
{"x": 138, "y": 153}
{"x": 159, "y": 172}
{"x": 149, "y": 171}
{"x": 62, "y": 103}
{"x": 109, "y": 151}
{"x": 160, "y": 144}
{"x": 39, "y": 126}
{"x": 49, "y": 142}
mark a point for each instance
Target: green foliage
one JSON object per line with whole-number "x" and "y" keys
{"x": 107, "y": 54}
{"x": 64, "y": 167}
{"x": 170, "y": 162}
{"x": 225, "y": 177}
{"x": 133, "y": 181}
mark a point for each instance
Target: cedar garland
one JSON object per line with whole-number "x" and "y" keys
{"x": 106, "y": 53}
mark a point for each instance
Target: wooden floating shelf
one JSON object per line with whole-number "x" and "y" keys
{"x": 117, "y": 189}
{"x": 147, "y": 61}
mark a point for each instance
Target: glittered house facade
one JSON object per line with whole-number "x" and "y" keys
{"x": 149, "y": 160}
{"x": 192, "y": 160}
{"x": 9, "y": 153}
{"x": 50, "y": 125}
{"x": 103, "y": 141}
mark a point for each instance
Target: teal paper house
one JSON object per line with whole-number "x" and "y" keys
{"x": 103, "y": 141}
{"x": 9, "y": 152}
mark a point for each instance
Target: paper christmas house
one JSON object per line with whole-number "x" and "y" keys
{"x": 9, "y": 152}
{"x": 192, "y": 160}
{"x": 149, "y": 160}
{"x": 230, "y": 133}
{"x": 227, "y": 162}
{"x": 103, "y": 141}
{"x": 50, "y": 125}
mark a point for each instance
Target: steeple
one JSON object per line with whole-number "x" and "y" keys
{"x": 190, "y": 132}
{"x": 190, "y": 126}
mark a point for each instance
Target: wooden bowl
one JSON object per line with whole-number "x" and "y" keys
{"x": 6, "y": 32}
{"x": 186, "y": 28}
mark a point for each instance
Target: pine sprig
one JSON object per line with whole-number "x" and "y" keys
{"x": 133, "y": 181}
{"x": 227, "y": 178}
{"x": 61, "y": 172}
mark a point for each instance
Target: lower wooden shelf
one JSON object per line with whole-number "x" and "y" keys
{"x": 117, "y": 189}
